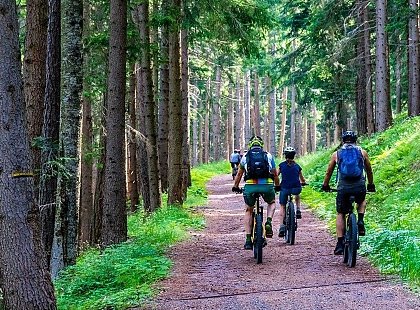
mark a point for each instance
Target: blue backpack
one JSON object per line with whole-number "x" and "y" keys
{"x": 257, "y": 166}
{"x": 350, "y": 162}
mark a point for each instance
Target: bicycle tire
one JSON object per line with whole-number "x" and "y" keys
{"x": 258, "y": 245}
{"x": 352, "y": 243}
{"x": 290, "y": 224}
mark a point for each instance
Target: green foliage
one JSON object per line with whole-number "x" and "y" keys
{"x": 392, "y": 213}
{"x": 123, "y": 276}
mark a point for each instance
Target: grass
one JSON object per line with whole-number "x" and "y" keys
{"x": 123, "y": 276}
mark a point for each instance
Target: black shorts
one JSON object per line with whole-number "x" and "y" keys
{"x": 233, "y": 165}
{"x": 343, "y": 198}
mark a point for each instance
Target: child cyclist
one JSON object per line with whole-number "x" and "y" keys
{"x": 291, "y": 183}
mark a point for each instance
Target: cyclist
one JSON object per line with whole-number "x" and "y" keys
{"x": 262, "y": 185}
{"x": 291, "y": 183}
{"x": 349, "y": 187}
{"x": 235, "y": 159}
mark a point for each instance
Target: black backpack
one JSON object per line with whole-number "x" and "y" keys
{"x": 257, "y": 166}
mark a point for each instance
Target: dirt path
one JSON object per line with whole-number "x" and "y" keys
{"x": 212, "y": 271}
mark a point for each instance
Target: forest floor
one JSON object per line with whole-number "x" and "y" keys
{"x": 213, "y": 271}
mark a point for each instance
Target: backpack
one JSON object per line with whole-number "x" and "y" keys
{"x": 257, "y": 166}
{"x": 350, "y": 162}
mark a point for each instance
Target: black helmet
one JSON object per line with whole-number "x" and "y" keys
{"x": 349, "y": 137}
{"x": 255, "y": 141}
{"x": 289, "y": 152}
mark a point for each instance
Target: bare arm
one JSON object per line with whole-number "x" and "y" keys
{"x": 238, "y": 177}
{"x": 330, "y": 169}
{"x": 368, "y": 167}
{"x": 276, "y": 176}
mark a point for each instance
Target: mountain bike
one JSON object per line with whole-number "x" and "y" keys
{"x": 290, "y": 220}
{"x": 234, "y": 171}
{"x": 351, "y": 235}
{"x": 258, "y": 229}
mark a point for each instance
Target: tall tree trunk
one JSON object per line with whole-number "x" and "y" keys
{"x": 25, "y": 280}
{"x": 51, "y": 128}
{"x": 413, "y": 59}
{"x": 133, "y": 193}
{"x": 149, "y": 104}
{"x": 175, "y": 194}
{"x": 383, "y": 104}
{"x": 283, "y": 122}
{"x": 86, "y": 164}
{"x": 114, "y": 221}
{"x": 195, "y": 153}
{"x": 370, "y": 116}
{"x": 185, "y": 81}
{"x": 163, "y": 115}
{"x": 216, "y": 116}
{"x": 70, "y": 132}
{"x": 247, "y": 105}
{"x": 206, "y": 131}
{"x": 256, "y": 118}
{"x": 34, "y": 74}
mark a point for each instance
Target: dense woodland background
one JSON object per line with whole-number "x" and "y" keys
{"x": 118, "y": 100}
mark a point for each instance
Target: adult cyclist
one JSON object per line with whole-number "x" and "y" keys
{"x": 235, "y": 159}
{"x": 349, "y": 187}
{"x": 263, "y": 185}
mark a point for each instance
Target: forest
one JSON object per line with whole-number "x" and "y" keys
{"x": 108, "y": 105}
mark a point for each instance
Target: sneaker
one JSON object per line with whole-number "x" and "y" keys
{"x": 248, "y": 245}
{"x": 282, "y": 231}
{"x": 268, "y": 230}
{"x": 338, "y": 248}
{"x": 298, "y": 214}
{"x": 361, "y": 227}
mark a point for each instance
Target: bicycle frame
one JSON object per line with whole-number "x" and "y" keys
{"x": 258, "y": 229}
{"x": 351, "y": 236}
{"x": 290, "y": 221}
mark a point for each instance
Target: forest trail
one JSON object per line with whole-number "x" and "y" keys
{"x": 213, "y": 271}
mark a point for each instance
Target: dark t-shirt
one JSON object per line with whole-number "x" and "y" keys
{"x": 290, "y": 175}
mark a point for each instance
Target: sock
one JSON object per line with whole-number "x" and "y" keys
{"x": 269, "y": 219}
{"x": 248, "y": 237}
{"x": 360, "y": 216}
{"x": 341, "y": 240}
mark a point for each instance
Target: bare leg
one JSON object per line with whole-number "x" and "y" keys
{"x": 248, "y": 220}
{"x": 340, "y": 224}
{"x": 297, "y": 200}
{"x": 271, "y": 207}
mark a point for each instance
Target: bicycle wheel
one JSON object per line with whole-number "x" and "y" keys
{"x": 290, "y": 224}
{"x": 258, "y": 241}
{"x": 352, "y": 243}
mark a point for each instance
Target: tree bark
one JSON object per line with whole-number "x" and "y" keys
{"x": 114, "y": 221}
{"x": 25, "y": 281}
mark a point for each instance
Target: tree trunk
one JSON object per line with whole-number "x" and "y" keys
{"x": 50, "y": 129}
{"x": 256, "y": 118}
{"x": 149, "y": 104}
{"x": 216, "y": 116}
{"x": 114, "y": 221}
{"x": 247, "y": 105}
{"x": 383, "y": 104}
{"x": 25, "y": 280}
{"x": 34, "y": 74}
{"x": 413, "y": 59}
{"x": 175, "y": 194}
{"x": 283, "y": 122}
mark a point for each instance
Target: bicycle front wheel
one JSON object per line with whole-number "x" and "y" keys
{"x": 258, "y": 238}
{"x": 290, "y": 224}
{"x": 352, "y": 242}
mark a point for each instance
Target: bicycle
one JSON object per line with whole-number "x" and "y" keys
{"x": 258, "y": 230}
{"x": 351, "y": 235}
{"x": 234, "y": 171}
{"x": 290, "y": 220}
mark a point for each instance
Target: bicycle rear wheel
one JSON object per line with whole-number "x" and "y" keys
{"x": 290, "y": 224}
{"x": 352, "y": 242}
{"x": 258, "y": 238}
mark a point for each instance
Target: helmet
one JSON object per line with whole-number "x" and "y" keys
{"x": 289, "y": 152}
{"x": 349, "y": 136}
{"x": 255, "y": 141}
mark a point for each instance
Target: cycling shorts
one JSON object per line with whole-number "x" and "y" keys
{"x": 285, "y": 193}
{"x": 343, "y": 204}
{"x": 266, "y": 191}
